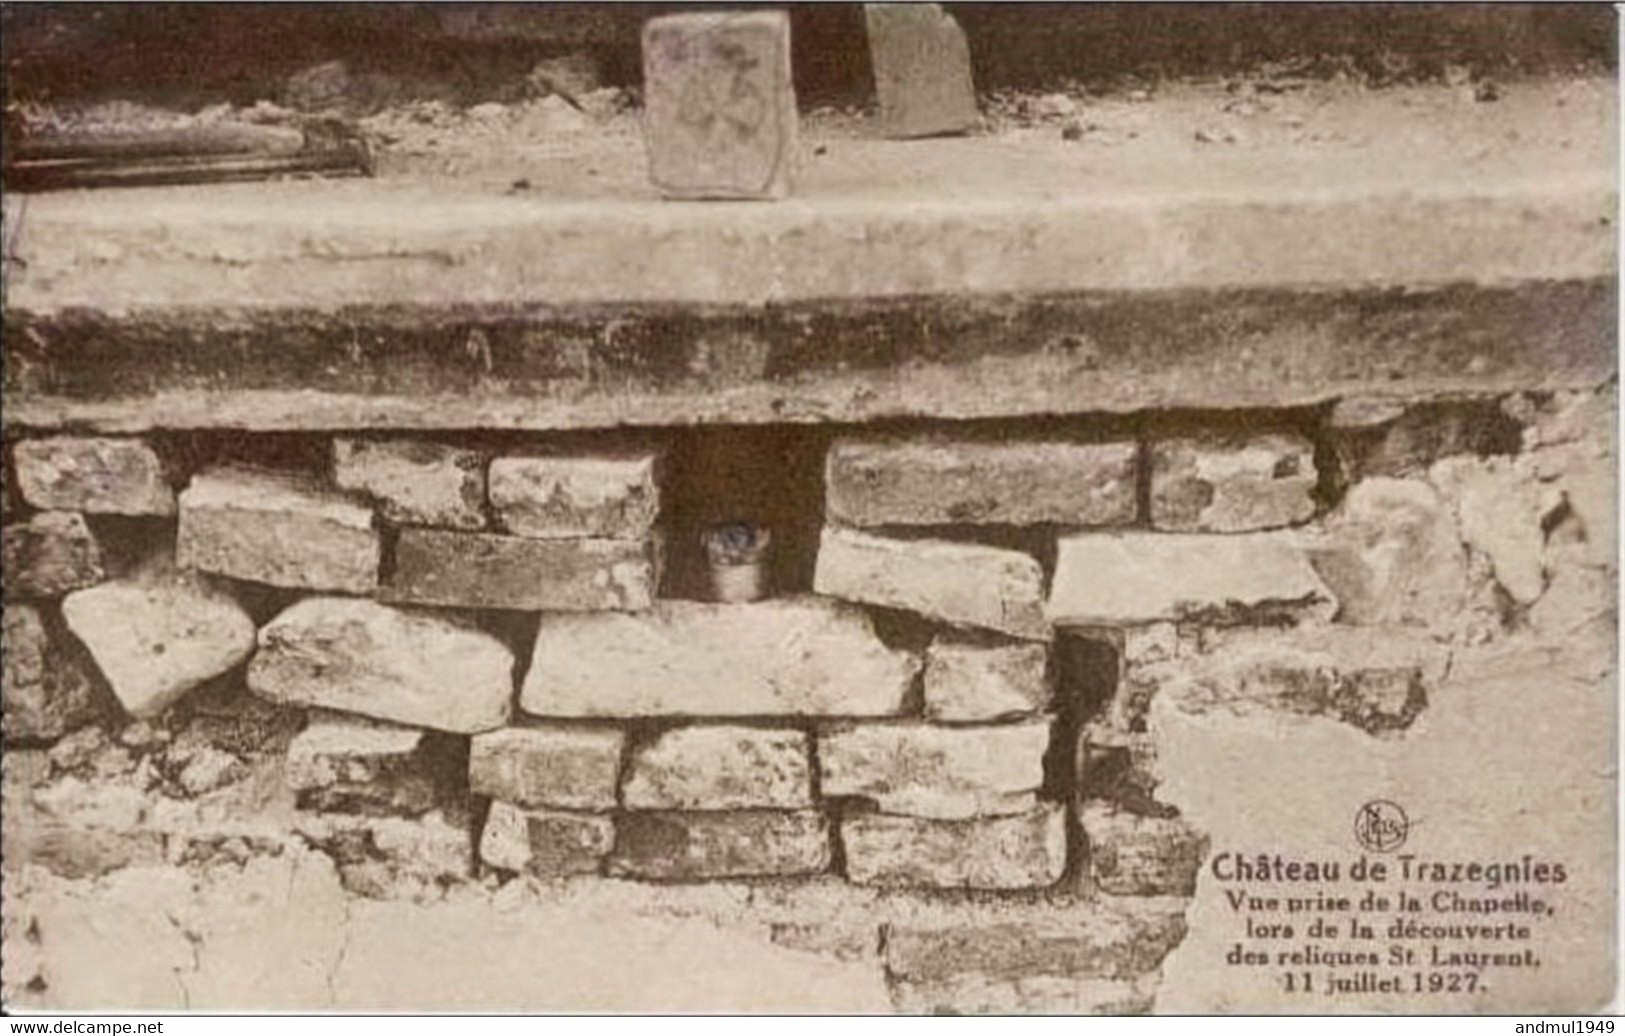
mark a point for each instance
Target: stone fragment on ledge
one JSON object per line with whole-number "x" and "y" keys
{"x": 50, "y": 554}
{"x": 547, "y": 843}
{"x": 964, "y": 584}
{"x": 1023, "y": 851}
{"x": 720, "y": 767}
{"x": 484, "y": 570}
{"x": 922, "y": 70}
{"x": 47, "y": 690}
{"x": 609, "y": 496}
{"x": 672, "y": 846}
{"x": 548, "y": 765}
{"x": 368, "y": 658}
{"x": 970, "y": 678}
{"x": 1133, "y": 855}
{"x": 414, "y": 481}
{"x": 923, "y": 770}
{"x": 799, "y": 656}
{"x": 1241, "y": 484}
{"x": 276, "y": 528}
{"x": 719, "y": 113}
{"x": 94, "y": 475}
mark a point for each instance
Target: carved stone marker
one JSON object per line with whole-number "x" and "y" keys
{"x": 922, "y": 70}
{"x": 720, "y": 106}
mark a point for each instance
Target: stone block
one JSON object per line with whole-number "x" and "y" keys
{"x": 550, "y": 765}
{"x": 922, "y": 69}
{"x": 98, "y": 476}
{"x": 278, "y": 529}
{"x": 948, "y": 482}
{"x": 415, "y": 482}
{"x": 1101, "y": 944}
{"x": 368, "y": 658}
{"x": 929, "y": 771}
{"x": 720, "y": 767}
{"x": 1015, "y": 852}
{"x": 963, "y": 584}
{"x": 155, "y": 640}
{"x": 1133, "y": 855}
{"x": 50, "y": 554}
{"x": 733, "y": 844}
{"x": 47, "y": 690}
{"x": 483, "y": 570}
{"x": 600, "y": 496}
{"x": 971, "y": 679}
{"x": 785, "y": 657}
{"x": 719, "y": 114}
{"x": 350, "y": 764}
{"x": 547, "y": 843}
{"x": 1232, "y": 484}
{"x": 1134, "y": 577}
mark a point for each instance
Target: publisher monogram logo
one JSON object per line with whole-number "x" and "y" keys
{"x": 1381, "y": 826}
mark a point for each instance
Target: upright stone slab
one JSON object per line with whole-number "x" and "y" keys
{"x": 729, "y": 844}
{"x": 786, "y": 657}
{"x": 277, "y": 528}
{"x": 98, "y": 476}
{"x": 943, "y": 772}
{"x": 47, "y": 690}
{"x": 953, "y": 482}
{"x": 609, "y": 496}
{"x": 922, "y": 70}
{"x": 548, "y": 765}
{"x": 719, "y": 109}
{"x": 960, "y": 583}
{"x": 1232, "y": 485}
{"x": 484, "y": 570}
{"x": 1023, "y": 851}
{"x": 548, "y": 843}
{"x": 415, "y": 482}
{"x": 408, "y": 667}
{"x": 48, "y": 555}
{"x": 975, "y": 678}
{"x": 720, "y": 767}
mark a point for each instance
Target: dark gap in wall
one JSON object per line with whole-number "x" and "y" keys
{"x": 1085, "y": 668}
{"x": 131, "y": 544}
{"x": 262, "y": 601}
{"x": 188, "y": 452}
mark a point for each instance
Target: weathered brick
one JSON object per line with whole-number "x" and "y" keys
{"x": 602, "y": 496}
{"x": 949, "y": 482}
{"x": 1102, "y": 944}
{"x": 483, "y": 570}
{"x": 156, "y": 639}
{"x": 959, "y": 583}
{"x": 48, "y": 555}
{"x": 278, "y": 529}
{"x": 786, "y": 657}
{"x": 548, "y": 765}
{"x": 922, "y": 70}
{"x": 729, "y": 844}
{"x": 408, "y": 667}
{"x": 719, "y": 112}
{"x": 349, "y": 764}
{"x": 1130, "y": 577}
{"x": 415, "y": 482}
{"x": 943, "y": 772}
{"x": 1023, "y": 851}
{"x": 720, "y": 767}
{"x": 47, "y": 689}
{"x": 972, "y": 678}
{"x": 547, "y": 843}
{"x": 1133, "y": 855}
{"x": 98, "y": 476}
{"x": 1232, "y": 484}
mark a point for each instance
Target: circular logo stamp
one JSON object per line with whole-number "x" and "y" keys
{"x": 1381, "y": 826}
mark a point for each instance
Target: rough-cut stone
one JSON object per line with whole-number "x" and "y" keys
{"x": 733, "y": 844}
{"x": 47, "y": 691}
{"x": 483, "y": 570}
{"x": 608, "y": 496}
{"x": 278, "y": 529}
{"x": 1132, "y": 855}
{"x": 549, "y": 765}
{"x": 415, "y": 482}
{"x": 1104, "y": 944}
{"x": 548, "y": 843}
{"x": 948, "y": 482}
{"x": 1104, "y": 578}
{"x": 942, "y": 772}
{"x": 99, "y": 476}
{"x": 350, "y": 764}
{"x": 1023, "y": 851}
{"x": 970, "y": 678}
{"x": 1500, "y": 512}
{"x": 720, "y": 767}
{"x": 48, "y": 555}
{"x": 719, "y": 112}
{"x": 369, "y": 658}
{"x": 157, "y": 639}
{"x": 959, "y": 583}
{"x": 922, "y": 70}
{"x": 1232, "y": 485}
{"x": 786, "y": 657}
